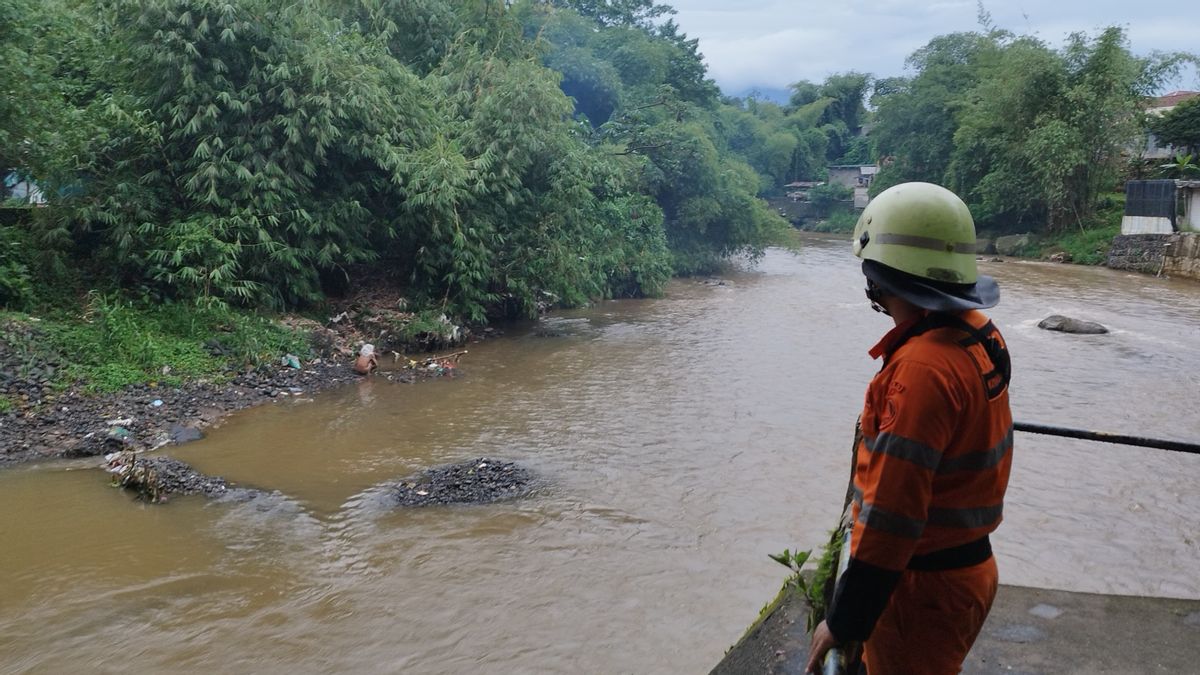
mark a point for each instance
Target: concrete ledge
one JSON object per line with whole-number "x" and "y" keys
{"x": 1033, "y": 631}
{"x": 776, "y": 644}
{"x": 1029, "y": 632}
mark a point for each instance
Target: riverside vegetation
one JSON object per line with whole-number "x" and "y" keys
{"x": 206, "y": 161}
{"x": 207, "y": 164}
{"x": 1035, "y": 139}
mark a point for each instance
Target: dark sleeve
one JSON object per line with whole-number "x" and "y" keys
{"x": 859, "y": 599}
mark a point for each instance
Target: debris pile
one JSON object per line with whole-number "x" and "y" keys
{"x": 479, "y": 481}
{"x": 437, "y": 366}
{"x": 381, "y": 317}
{"x": 154, "y": 479}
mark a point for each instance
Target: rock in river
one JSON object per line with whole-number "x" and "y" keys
{"x": 478, "y": 481}
{"x": 1065, "y": 324}
{"x": 1014, "y": 244}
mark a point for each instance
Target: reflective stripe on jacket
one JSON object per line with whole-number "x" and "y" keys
{"x": 932, "y": 468}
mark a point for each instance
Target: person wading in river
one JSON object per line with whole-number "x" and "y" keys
{"x": 933, "y": 465}
{"x": 366, "y": 363}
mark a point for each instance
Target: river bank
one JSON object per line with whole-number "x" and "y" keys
{"x": 1089, "y": 244}
{"x": 145, "y": 417}
{"x": 56, "y": 406}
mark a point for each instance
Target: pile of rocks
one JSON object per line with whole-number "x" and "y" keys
{"x": 155, "y": 479}
{"x": 479, "y": 481}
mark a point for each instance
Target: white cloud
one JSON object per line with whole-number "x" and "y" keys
{"x": 772, "y": 43}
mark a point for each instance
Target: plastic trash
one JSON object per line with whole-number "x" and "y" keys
{"x": 291, "y": 360}
{"x": 157, "y": 403}
{"x": 116, "y": 462}
{"x": 120, "y": 436}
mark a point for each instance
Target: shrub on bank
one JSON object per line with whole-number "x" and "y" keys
{"x": 1085, "y": 247}
{"x": 108, "y": 343}
{"x": 839, "y": 221}
{"x": 16, "y": 283}
{"x": 1089, "y": 244}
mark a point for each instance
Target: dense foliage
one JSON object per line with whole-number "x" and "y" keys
{"x": 487, "y": 155}
{"x": 491, "y": 156}
{"x": 1032, "y": 137}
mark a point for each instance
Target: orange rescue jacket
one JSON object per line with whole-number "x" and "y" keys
{"x": 933, "y": 465}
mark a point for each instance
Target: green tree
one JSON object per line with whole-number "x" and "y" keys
{"x": 645, "y": 89}
{"x": 40, "y": 45}
{"x": 257, "y": 152}
{"x": 1028, "y": 135}
{"x": 1043, "y": 134}
{"x": 1180, "y": 126}
{"x": 618, "y": 12}
{"x": 827, "y": 120}
{"x": 419, "y": 33}
{"x": 258, "y": 147}
{"x": 915, "y": 118}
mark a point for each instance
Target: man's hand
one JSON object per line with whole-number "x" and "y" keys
{"x": 822, "y": 642}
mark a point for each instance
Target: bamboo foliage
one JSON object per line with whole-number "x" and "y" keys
{"x": 260, "y": 153}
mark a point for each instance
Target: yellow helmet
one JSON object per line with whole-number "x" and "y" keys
{"x": 917, "y": 240}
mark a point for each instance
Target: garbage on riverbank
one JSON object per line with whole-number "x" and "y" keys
{"x": 479, "y": 481}
{"x": 437, "y": 366}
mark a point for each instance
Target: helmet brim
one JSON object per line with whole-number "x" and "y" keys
{"x": 934, "y": 296}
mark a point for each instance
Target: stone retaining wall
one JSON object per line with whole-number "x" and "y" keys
{"x": 1175, "y": 254}
{"x": 1138, "y": 252}
{"x": 1182, "y": 258}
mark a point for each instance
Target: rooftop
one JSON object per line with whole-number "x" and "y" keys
{"x": 1173, "y": 99}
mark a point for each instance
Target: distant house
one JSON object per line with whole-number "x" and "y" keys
{"x": 857, "y": 177}
{"x": 1153, "y": 150}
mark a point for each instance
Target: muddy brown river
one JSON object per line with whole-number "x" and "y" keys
{"x": 682, "y": 440}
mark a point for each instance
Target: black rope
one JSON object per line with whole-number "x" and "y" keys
{"x": 1105, "y": 437}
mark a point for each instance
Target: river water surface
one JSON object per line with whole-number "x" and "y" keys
{"x": 682, "y": 440}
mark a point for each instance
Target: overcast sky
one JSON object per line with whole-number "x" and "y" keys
{"x": 771, "y": 43}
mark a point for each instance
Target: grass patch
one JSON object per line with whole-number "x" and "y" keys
{"x": 838, "y": 222}
{"x": 110, "y": 343}
{"x": 1089, "y": 245}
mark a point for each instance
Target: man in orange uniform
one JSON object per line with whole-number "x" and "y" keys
{"x": 933, "y": 465}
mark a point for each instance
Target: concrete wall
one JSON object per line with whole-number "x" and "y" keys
{"x": 1146, "y": 225}
{"x": 1176, "y": 255}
